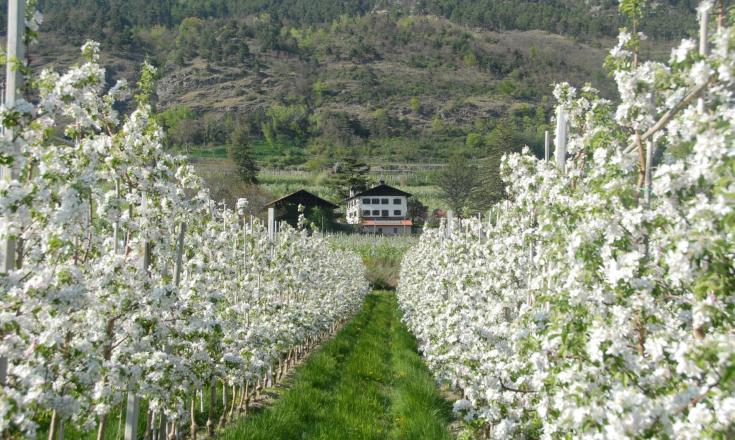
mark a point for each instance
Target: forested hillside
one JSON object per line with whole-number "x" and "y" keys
{"x": 579, "y": 18}
{"x": 303, "y": 82}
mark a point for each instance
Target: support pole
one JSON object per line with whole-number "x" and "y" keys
{"x": 271, "y": 224}
{"x": 163, "y": 420}
{"x": 13, "y": 83}
{"x": 561, "y": 139}
{"x": 179, "y": 254}
{"x": 131, "y": 416}
{"x": 547, "y": 146}
{"x": 703, "y": 43}
{"x": 132, "y": 410}
{"x": 648, "y": 179}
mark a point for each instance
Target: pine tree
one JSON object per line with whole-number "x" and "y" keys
{"x": 239, "y": 151}
{"x": 350, "y": 174}
{"x": 457, "y": 182}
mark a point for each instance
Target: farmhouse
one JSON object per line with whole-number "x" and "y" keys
{"x": 379, "y": 210}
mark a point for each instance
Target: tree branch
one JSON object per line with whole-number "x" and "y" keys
{"x": 669, "y": 115}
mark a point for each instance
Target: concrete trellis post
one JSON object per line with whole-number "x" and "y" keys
{"x": 547, "y": 146}
{"x": 450, "y": 222}
{"x": 131, "y": 416}
{"x": 13, "y": 82}
{"x": 703, "y": 44}
{"x": 561, "y": 139}
{"x": 480, "y": 235}
{"x": 271, "y": 224}
{"x": 162, "y": 431}
{"x": 132, "y": 410}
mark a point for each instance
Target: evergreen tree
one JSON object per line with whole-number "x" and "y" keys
{"x": 349, "y": 174}
{"x": 457, "y": 183}
{"x": 239, "y": 151}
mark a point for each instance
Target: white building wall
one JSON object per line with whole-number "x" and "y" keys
{"x": 397, "y": 207}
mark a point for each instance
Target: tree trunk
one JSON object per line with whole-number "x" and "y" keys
{"x": 148, "y": 426}
{"x": 102, "y": 427}
{"x": 212, "y": 403}
{"x": 223, "y": 417}
{"x": 53, "y": 428}
{"x": 192, "y": 416}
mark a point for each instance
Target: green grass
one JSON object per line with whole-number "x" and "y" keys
{"x": 366, "y": 383}
{"x": 218, "y": 152}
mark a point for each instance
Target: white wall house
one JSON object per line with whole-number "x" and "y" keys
{"x": 380, "y": 210}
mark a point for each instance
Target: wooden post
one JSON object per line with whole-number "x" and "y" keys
{"x": 561, "y": 139}
{"x": 547, "y": 146}
{"x": 13, "y": 82}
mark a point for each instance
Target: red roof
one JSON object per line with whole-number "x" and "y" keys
{"x": 387, "y": 223}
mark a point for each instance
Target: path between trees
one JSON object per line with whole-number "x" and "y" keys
{"x": 366, "y": 383}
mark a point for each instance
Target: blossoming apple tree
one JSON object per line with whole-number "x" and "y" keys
{"x": 599, "y": 302}
{"x": 129, "y": 281}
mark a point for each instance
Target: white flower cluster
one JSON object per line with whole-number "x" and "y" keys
{"x": 101, "y": 303}
{"x": 579, "y": 310}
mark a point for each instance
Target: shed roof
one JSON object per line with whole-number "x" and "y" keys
{"x": 302, "y": 197}
{"x": 381, "y": 190}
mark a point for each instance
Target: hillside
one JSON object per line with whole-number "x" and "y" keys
{"x": 306, "y": 85}
{"x": 383, "y": 87}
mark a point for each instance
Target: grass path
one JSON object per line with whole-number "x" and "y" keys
{"x": 366, "y": 383}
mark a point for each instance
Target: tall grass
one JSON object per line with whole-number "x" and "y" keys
{"x": 381, "y": 254}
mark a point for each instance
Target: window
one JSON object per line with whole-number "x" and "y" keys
{"x": 396, "y": 201}
{"x": 383, "y": 201}
{"x": 376, "y": 212}
{"x": 376, "y": 201}
{"x": 366, "y": 201}
{"x": 385, "y": 213}
{"x": 395, "y": 230}
{"x": 396, "y": 212}
{"x": 380, "y": 230}
{"x": 366, "y": 212}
